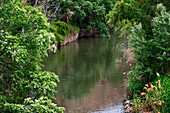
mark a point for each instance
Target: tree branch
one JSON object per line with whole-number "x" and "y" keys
{"x": 36, "y": 3}
{"x": 53, "y": 13}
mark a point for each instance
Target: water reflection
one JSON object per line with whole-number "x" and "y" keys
{"x": 91, "y": 80}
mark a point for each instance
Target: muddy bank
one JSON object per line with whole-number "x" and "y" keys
{"x": 70, "y": 37}
{"x": 74, "y": 35}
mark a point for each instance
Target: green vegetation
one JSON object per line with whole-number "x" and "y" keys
{"x": 153, "y": 53}
{"x": 30, "y": 28}
{"x": 87, "y": 15}
{"x": 155, "y": 96}
{"x": 62, "y": 29}
{"x": 146, "y": 26}
{"x": 24, "y": 40}
{"x": 153, "y": 56}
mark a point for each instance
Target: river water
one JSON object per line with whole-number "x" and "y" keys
{"x": 91, "y": 75}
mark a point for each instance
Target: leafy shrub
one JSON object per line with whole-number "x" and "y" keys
{"x": 152, "y": 54}
{"x": 126, "y": 13}
{"x": 62, "y": 28}
{"x": 24, "y": 40}
{"x": 73, "y": 28}
{"x": 41, "y": 105}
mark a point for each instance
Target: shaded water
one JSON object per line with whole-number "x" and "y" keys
{"x": 91, "y": 76}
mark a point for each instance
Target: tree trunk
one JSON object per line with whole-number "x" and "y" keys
{"x": 44, "y": 7}
{"x": 36, "y": 3}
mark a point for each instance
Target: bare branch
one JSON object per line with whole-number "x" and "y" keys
{"x": 44, "y": 5}
{"x": 36, "y": 1}
{"x": 22, "y": 31}
{"x": 53, "y": 13}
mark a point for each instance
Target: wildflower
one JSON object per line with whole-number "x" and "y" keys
{"x": 160, "y": 103}
{"x": 145, "y": 88}
{"x": 138, "y": 100}
{"x": 155, "y": 87}
{"x": 126, "y": 106}
{"x": 142, "y": 93}
{"x": 127, "y": 102}
{"x": 130, "y": 109}
{"x": 153, "y": 98}
{"x": 159, "y": 84}
{"x": 158, "y": 74}
{"x": 149, "y": 90}
{"x": 146, "y": 85}
{"x": 152, "y": 86}
{"x": 154, "y": 102}
{"x": 146, "y": 97}
{"x": 163, "y": 101}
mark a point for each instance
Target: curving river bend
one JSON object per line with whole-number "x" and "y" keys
{"x": 91, "y": 75}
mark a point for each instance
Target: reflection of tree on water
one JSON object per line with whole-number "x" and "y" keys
{"x": 82, "y": 68}
{"x": 102, "y": 96}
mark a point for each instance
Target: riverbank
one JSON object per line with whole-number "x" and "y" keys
{"x": 74, "y": 34}
{"x": 148, "y": 82}
{"x": 70, "y": 38}
{"x": 152, "y": 96}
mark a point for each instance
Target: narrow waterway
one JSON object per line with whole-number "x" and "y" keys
{"x": 91, "y": 75}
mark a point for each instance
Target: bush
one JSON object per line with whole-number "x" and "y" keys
{"x": 62, "y": 29}
{"x": 24, "y": 40}
{"x": 41, "y": 105}
{"x": 151, "y": 53}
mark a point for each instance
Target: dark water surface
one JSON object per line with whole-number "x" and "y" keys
{"x": 91, "y": 75}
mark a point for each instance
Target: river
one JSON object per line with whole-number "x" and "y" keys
{"x": 91, "y": 75}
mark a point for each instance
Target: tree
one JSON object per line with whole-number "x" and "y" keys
{"x": 85, "y": 14}
{"x": 126, "y": 13}
{"x": 24, "y": 40}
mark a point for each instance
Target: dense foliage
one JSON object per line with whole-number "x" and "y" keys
{"x": 153, "y": 56}
{"x": 147, "y": 27}
{"x": 87, "y": 15}
{"x": 126, "y": 13}
{"x": 61, "y": 29}
{"x": 84, "y": 14}
{"x": 24, "y": 40}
